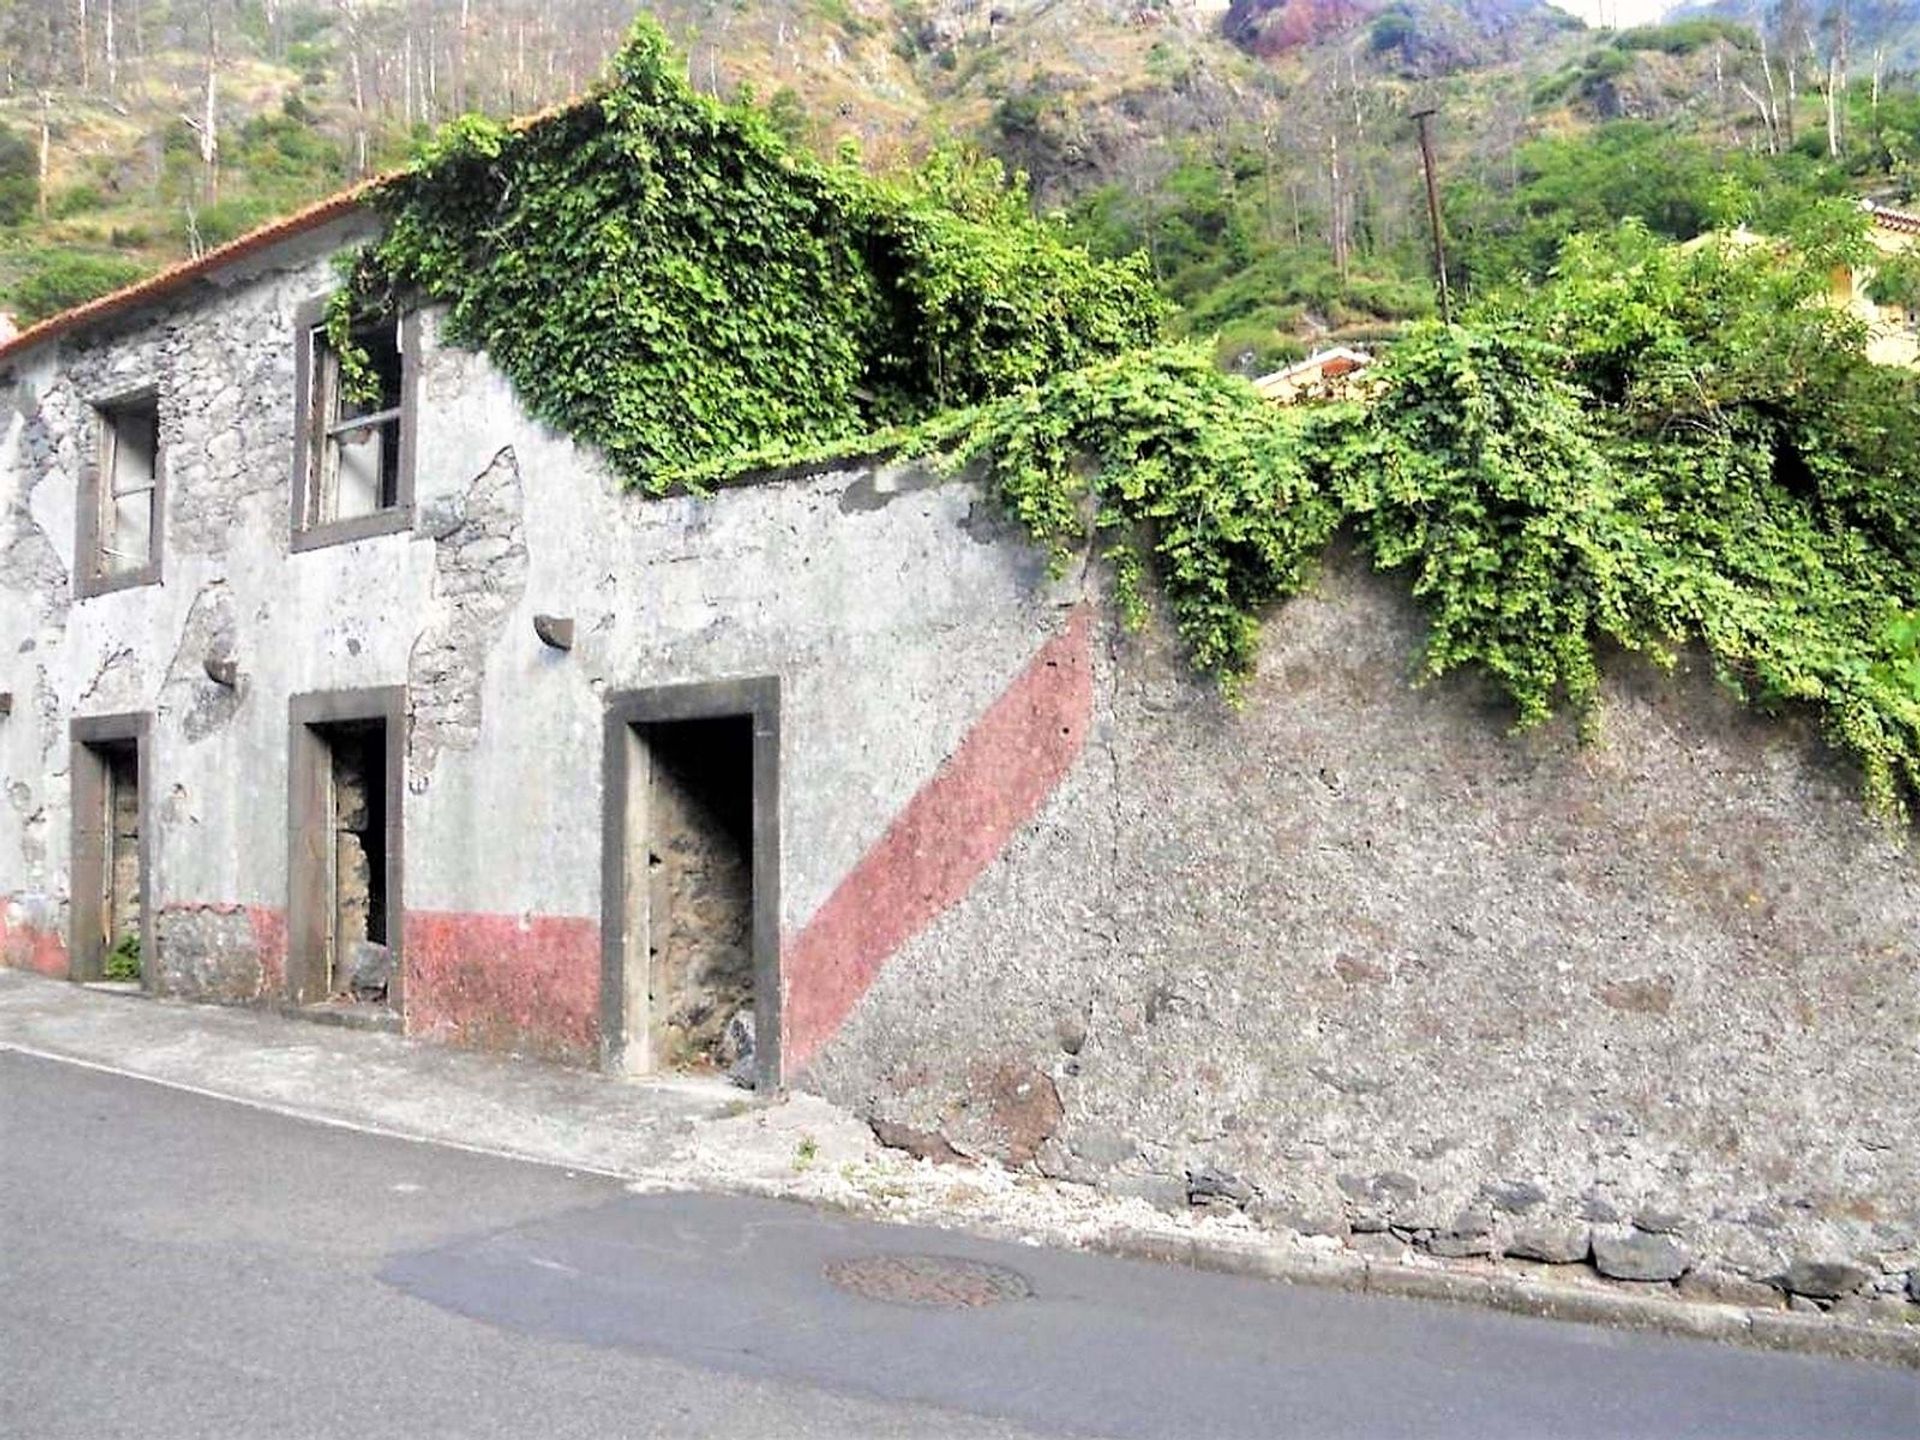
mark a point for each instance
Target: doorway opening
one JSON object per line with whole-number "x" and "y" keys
{"x": 109, "y": 896}
{"x": 692, "y": 953}
{"x": 342, "y": 910}
{"x": 359, "y": 967}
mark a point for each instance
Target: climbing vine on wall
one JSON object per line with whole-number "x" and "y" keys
{"x": 665, "y": 277}
{"x": 1661, "y": 447}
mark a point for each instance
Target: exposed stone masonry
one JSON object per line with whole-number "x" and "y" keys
{"x": 700, "y": 885}
{"x": 480, "y": 573}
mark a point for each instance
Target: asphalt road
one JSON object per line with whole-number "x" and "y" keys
{"x": 174, "y": 1266}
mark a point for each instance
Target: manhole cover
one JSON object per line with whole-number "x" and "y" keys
{"x": 931, "y": 1280}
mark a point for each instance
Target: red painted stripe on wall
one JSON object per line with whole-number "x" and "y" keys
{"x": 28, "y": 947}
{"x": 504, "y": 982}
{"x": 1013, "y": 758}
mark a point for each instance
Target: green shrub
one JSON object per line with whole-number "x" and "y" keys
{"x": 669, "y": 279}
{"x": 75, "y": 200}
{"x": 1683, "y": 37}
{"x": 123, "y": 960}
{"x": 19, "y": 178}
{"x": 1658, "y": 447}
{"x": 226, "y": 220}
{"x": 60, "y": 280}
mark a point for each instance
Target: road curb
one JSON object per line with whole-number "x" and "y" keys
{"x": 1527, "y": 1295}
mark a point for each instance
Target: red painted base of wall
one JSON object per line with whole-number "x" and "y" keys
{"x": 27, "y": 947}
{"x": 1012, "y": 759}
{"x": 270, "y": 942}
{"x": 504, "y": 982}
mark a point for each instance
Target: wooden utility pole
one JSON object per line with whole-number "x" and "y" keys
{"x": 1420, "y": 118}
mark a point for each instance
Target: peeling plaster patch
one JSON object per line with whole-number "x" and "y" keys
{"x": 30, "y": 562}
{"x": 225, "y": 406}
{"x": 26, "y": 403}
{"x": 479, "y": 575}
{"x": 204, "y": 707}
{"x": 51, "y": 715}
{"x": 210, "y": 952}
{"x": 876, "y": 489}
{"x": 178, "y": 809}
{"x": 33, "y": 826}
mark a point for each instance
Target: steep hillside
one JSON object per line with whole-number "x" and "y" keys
{"x": 1260, "y": 152}
{"x": 1885, "y": 33}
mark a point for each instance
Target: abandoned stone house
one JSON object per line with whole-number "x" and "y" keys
{"x": 407, "y": 712}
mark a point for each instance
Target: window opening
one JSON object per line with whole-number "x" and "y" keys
{"x": 129, "y": 483}
{"x": 356, "y": 460}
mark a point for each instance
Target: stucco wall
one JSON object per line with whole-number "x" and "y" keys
{"x": 879, "y": 600}
{"x": 1351, "y": 957}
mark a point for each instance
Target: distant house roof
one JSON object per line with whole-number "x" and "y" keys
{"x": 1321, "y": 369}
{"x": 1888, "y": 218}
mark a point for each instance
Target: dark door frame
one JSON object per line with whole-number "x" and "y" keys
{"x": 757, "y": 697}
{"x": 92, "y": 845}
{"x": 309, "y": 782}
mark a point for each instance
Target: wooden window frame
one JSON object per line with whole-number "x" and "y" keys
{"x": 90, "y": 575}
{"x": 312, "y": 429}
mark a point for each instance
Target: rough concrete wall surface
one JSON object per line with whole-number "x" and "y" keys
{"x": 1357, "y": 959}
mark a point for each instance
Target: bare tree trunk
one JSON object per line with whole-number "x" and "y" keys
{"x": 210, "y": 119}
{"x": 86, "y": 56}
{"x": 1338, "y": 216}
{"x": 113, "y": 55}
{"x": 1766, "y": 118}
{"x": 46, "y": 149}
{"x": 359, "y": 114}
{"x": 460, "y": 58}
{"x": 1833, "y": 106}
{"x": 351, "y": 14}
{"x": 1771, "y": 110}
{"x": 1837, "y": 81}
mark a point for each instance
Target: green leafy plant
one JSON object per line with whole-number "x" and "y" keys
{"x": 123, "y": 960}
{"x": 1664, "y": 446}
{"x": 59, "y": 280}
{"x": 1659, "y": 445}
{"x": 668, "y": 278}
